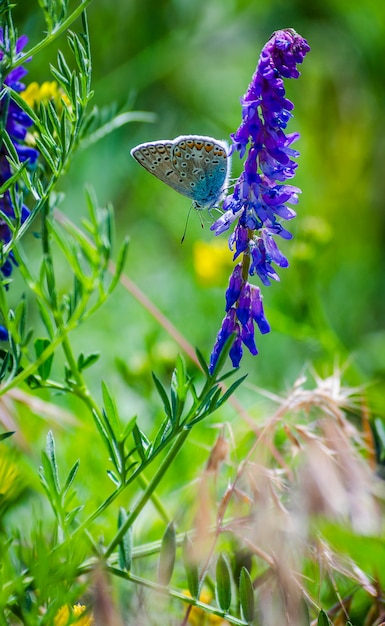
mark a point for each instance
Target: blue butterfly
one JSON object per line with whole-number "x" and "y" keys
{"x": 196, "y": 166}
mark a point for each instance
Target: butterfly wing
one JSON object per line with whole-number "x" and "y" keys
{"x": 194, "y": 165}
{"x": 156, "y": 157}
{"x": 204, "y": 163}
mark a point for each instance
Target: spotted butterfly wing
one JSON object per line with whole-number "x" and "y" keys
{"x": 194, "y": 165}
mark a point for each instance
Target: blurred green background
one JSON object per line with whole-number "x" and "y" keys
{"x": 189, "y": 63}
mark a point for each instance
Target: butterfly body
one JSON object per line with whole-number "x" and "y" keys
{"x": 194, "y": 165}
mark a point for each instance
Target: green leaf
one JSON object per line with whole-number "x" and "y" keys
{"x": 223, "y": 583}
{"x": 121, "y": 260}
{"x": 45, "y": 368}
{"x": 44, "y": 151}
{"x": 45, "y": 318}
{"x": 71, "y": 476}
{"x": 229, "y": 392}
{"x": 191, "y": 567}
{"x": 87, "y": 361}
{"x": 163, "y": 394}
{"x": 69, "y": 518}
{"x": 164, "y": 430}
{"x": 7, "y": 361}
{"x": 115, "y": 479}
{"x": 51, "y": 456}
{"x": 6, "y": 435}
{"x": 380, "y": 432}
{"x": 246, "y": 595}
{"x": 323, "y": 619}
{"x": 180, "y": 378}
{"x": 129, "y": 428}
{"x": 103, "y": 432}
{"x": 111, "y": 410}
{"x": 167, "y": 555}
{"x": 125, "y": 546}
{"x": 202, "y": 362}
{"x": 141, "y": 441}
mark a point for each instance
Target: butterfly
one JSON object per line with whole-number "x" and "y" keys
{"x": 194, "y": 165}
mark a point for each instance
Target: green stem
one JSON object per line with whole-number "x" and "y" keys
{"x": 144, "y": 483}
{"x": 52, "y": 35}
{"x": 146, "y": 496}
{"x": 207, "y": 608}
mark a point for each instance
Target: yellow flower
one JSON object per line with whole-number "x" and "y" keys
{"x": 199, "y": 617}
{"x": 212, "y": 260}
{"x": 11, "y": 481}
{"x": 35, "y": 93}
{"x": 66, "y": 615}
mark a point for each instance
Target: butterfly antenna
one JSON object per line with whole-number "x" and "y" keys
{"x": 185, "y": 228}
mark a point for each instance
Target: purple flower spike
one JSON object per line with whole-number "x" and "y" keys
{"x": 261, "y": 195}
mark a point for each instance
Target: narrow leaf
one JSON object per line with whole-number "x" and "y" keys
{"x": 6, "y": 435}
{"x": 167, "y": 555}
{"x": 111, "y": 410}
{"x": 51, "y": 456}
{"x": 71, "y": 476}
{"x": 122, "y": 255}
{"x": 202, "y": 362}
{"x": 230, "y": 391}
{"x": 129, "y": 428}
{"x": 323, "y": 619}
{"x": 125, "y": 546}
{"x": 87, "y": 361}
{"x": 45, "y": 368}
{"x": 114, "y": 478}
{"x": 141, "y": 442}
{"x": 164, "y": 430}
{"x": 246, "y": 595}
{"x": 223, "y": 583}
{"x": 190, "y": 567}
{"x": 163, "y": 394}
{"x": 45, "y": 318}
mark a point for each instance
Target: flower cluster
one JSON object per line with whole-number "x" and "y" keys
{"x": 16, "y": 122}
{"x": 259, "y": 198}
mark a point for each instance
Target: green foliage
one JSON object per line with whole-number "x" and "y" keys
{"x": 223, "y": 583}
{"x": 323, "y": 619}
{"x": 246, "y": 595}
{"x": 167, "y": 555}
{"x": 191, "y": 568}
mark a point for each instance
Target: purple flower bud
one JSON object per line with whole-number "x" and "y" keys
{"x": 257, "y": 311}
{"x": 223, "y": 223}
{"x": 273, "y": 251}
{"x": 240, "y": 238}
{"x": 247, "y": 336}
{"x": 236, "y": 351}
{"x": 235, "y": 286}
{"x": 244, "y": 305}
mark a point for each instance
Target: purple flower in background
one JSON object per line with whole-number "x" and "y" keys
{"x": 16, "y": 122}
{"x": 260, "y": 195}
